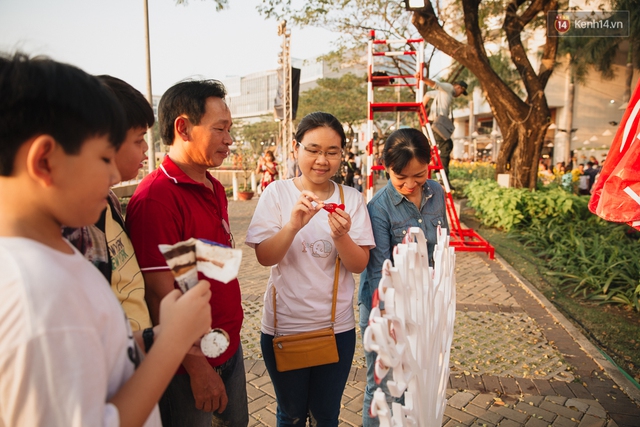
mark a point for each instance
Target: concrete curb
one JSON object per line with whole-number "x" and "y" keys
{"x": 610, "y": 369}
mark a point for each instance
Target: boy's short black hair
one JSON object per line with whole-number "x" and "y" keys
{"x": 40, "y": 96}
{"x": 137, "y": 111}
{"x": 189, "y": 98}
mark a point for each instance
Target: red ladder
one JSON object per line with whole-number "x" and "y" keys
{"x": 463, "y": 239}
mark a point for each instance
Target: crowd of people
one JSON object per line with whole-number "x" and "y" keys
{"x": 575, "y": 177}
{"x": 93, "y": 327}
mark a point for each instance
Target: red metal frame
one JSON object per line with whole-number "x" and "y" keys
{"x": 463, "y": 239}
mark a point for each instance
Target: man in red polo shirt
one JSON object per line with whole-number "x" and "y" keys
{"x": 178, "y": 201}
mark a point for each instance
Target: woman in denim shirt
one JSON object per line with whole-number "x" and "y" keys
{"x": 408, "y": 200}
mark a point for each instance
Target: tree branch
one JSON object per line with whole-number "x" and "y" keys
{"x": 513, "y": 27}
{"x": 550, "y": 51}
{"x": 471, "y": 57}
{"x": 474, "y": 37}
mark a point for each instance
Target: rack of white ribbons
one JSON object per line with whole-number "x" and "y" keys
{"x": 413, "y": 334}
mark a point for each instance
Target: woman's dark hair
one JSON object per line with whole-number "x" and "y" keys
{"x": 404, "y": 145}
{"x": 137, "y": 111}
{"x": 39, "y": 96}
{"x": 189, "y": 98}
{"x": 317, "y": 120}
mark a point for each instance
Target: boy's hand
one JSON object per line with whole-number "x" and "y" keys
{"x": 186, "y": 317}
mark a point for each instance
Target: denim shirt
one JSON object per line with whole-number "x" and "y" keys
{"x": 391, "y": 216}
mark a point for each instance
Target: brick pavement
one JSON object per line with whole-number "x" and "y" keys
{"x": 515, "y": 360}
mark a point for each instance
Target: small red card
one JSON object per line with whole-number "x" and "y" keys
{"x": 331, "y": 207}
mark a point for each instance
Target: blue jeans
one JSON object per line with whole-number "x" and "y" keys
{"x": 314, "y": 392}
{"x": 178, "y": 406}
{"x": 371, "y": 386}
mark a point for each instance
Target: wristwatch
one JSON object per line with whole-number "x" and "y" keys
{"x": 147, "y": 337}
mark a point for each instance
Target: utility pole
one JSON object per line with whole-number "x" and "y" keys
{"x": 286, "y": 123}
{"x": 150, "y": 141}
{"x": 569, "y": 96}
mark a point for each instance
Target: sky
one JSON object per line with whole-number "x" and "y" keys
{"x": 107, "y": 37}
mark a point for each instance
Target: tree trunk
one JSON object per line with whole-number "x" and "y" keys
{"x": 523, "y": 123}
{"x": 522, "y": 140}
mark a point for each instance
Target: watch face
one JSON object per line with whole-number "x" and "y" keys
{"x": 214, "y": 343}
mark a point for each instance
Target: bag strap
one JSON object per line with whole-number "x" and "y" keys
{"x": 336, "y": 276}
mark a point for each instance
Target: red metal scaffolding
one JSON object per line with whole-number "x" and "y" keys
{"x": 463, "y": 239}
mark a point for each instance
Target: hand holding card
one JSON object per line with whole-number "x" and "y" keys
{"x": 215, "y": 261}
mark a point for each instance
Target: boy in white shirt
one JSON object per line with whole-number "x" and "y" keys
{"x": 67, "y": 354}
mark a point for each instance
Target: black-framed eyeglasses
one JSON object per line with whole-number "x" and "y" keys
{"x": 332, "y": 154}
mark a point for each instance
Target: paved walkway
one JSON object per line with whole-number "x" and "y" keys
{"x": 515, "y": 360}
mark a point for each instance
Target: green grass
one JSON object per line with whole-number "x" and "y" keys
{"x": 615, "y": 329}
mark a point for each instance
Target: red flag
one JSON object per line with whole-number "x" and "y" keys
{"x": 616, "y": 193}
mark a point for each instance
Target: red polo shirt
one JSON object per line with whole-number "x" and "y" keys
{"x": 169, "y": 207}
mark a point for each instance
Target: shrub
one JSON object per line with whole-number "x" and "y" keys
{"x": 461, "y": 173}
{"x": 590, "y": 257}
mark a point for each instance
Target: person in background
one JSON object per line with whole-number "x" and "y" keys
{"x": 357, "y": 180}
{"x": 179, "y": 201}
{"x": 442, "y": 104}
{"x": 106, "y": 243}
{"x": 300, "y": 241}
{"x": 409, "y": 199}
{"x": 545, "y": 175}
{"x": 292, "y": 166}
{"x": 268, "y": 167}
{"x": 349, "y": 169}
{"x": 583, "y": 181}
{"x": 68, "y": 357}
{"x": 591, "y": 171}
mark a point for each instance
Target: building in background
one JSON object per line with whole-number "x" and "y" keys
{"x": 252, "y": 97}
{"x": 598, "y": 106}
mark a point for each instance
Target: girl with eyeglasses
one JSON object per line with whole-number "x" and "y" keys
{"x": 291, "y": 232}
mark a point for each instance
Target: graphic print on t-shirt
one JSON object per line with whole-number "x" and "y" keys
{"x": 319, "y": 248}
{"x": 126, "y": 278}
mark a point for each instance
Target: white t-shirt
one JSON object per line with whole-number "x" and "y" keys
{"x": 442, "y": 97}
{"x": 304, "y": 277}
{"x": 65, "y": 343}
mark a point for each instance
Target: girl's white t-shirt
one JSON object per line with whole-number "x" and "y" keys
{"x": 304, "y": 277}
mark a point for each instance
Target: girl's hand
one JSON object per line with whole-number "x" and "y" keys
{"x": 340, "y": 223}
{"x": 304, "y": 209}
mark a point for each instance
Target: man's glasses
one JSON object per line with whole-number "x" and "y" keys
{"x": 329, "y": 155}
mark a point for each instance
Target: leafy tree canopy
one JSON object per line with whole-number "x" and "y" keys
{"x": 254, "y": 134}
{"x": 220, "y": 4}
{"x": 344, "y": 97}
